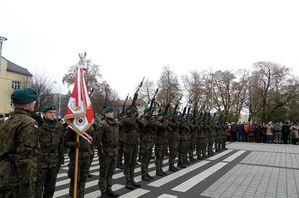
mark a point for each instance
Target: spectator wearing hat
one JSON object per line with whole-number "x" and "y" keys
{"x": 19, "y": 147}
{"x": 51, "y": 153}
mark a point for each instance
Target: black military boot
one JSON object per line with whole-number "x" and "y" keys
{"x": 111, "y": 193}
{"x": 172, "y": 168}
{"x": 163, "y": 172}
{"x": 135, "y": 184}
{"x": 104, "y": 194}
{"x": 145, "y": 178}
{"x": 181, "y": 165}
{"x": 191, "y": 159}
{"x": 129, "y": 185}
{"x": 159, "y": 173}
{"x": 149, "y": 176}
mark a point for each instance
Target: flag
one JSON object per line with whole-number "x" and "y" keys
{"x": 79, "y": 114}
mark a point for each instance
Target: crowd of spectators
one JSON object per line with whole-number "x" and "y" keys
{"x": 271, "y": 132}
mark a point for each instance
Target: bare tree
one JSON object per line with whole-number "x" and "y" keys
{"x": 44, "y": 88}
{"x": 168, "y": 86}
{"x": 271, "y": 90}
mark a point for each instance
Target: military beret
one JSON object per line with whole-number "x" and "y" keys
{"x": 108, "y": 110}
{"x": 24, "y": 96}
{"x": 47, "y": 107}
{"x": 146, "y": 110}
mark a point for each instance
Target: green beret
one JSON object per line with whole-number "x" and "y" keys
{"x": 108, "y": 110}
{"x": 23, "y": 96}
{"x": 47, "y": 107}
{"x": 146, "y": 110}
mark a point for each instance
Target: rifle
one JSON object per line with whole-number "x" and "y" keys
{"x": 136, "y": 93}
{"x": 153, "y": 100}
{"x": 124, "y": 105}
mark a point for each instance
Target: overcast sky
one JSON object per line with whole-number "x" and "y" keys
{"x": 132, "y": 39}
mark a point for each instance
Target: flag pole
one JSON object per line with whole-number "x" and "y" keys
{"x": 76, "y": 168}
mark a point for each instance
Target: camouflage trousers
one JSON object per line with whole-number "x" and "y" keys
{"x": 130, "y": 155}
{"x": 83, "y": 170}
{"x": 173, "y": 151}
{"x": 182, "y": 151}
{"x": 200, "y": 148}
{"x": 192, "y": 146}
{"x": 107, "y": 168}
{"x": 211, "y": 145}
{"x": 45, "y": 185}
{"x": 146, "y": 153}
{"x": 160, "y": 150}
{"x": 120, "y": 153}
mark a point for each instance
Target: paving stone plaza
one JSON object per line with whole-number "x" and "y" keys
{"x": 243, "y": 170}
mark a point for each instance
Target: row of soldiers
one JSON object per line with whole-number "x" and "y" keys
{"x": 32, "y": 149}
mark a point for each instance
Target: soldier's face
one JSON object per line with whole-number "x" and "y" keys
{"x": 109, "y": 114}
{"x": 50, "y": 114}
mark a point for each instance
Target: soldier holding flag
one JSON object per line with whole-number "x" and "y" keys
{"x": 80, "y": 117}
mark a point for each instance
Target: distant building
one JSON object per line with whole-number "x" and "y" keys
{"x": 12, "y": 76}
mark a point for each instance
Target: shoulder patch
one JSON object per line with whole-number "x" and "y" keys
{"x": 35, "y": 126}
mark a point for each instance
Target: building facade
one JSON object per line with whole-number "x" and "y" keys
{"x": 12, "y": 76}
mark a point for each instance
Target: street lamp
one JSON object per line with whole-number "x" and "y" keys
{"x": 1, "y": 41}
{"x": 59, "y": 102}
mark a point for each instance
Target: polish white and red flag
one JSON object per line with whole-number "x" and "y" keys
{"x": 79, "y": 114}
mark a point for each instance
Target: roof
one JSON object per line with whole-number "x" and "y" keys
{"x": 12, "y": 67}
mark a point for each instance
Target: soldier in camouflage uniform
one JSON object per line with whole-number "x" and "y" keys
{"x": 223, "y": 135}
{"x": 174, "y": 139}
{"x": 121, "y": 147}
{"x": 218, "y": 134}
{"x": 206, "y": 131}
{"x": 147, "y": 142}
{"x": 193, "y": 139}
{"x": 19, "y": 147}
{"x": 107, "y": 143}
{"x": 212, "y": 136}
{"x": 85, "y": 152}
{"x": 160, "y": 144}
{"x": 51, "y": 153}
{"x": 187, "y": 143}
{"x": 184, "y": 128}
{"x": 129, "y": 123}
{"x": 200, "y": 144}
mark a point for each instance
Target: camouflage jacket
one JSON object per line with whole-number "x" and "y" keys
{"x": 19, "y": 150}
{"x": 130, "y": 128}
{"x": 51, "y": 153}
{"x": 174, "y": 135}
{"x": 147, "y": 129}
{"x": 107, "y": 137}
{"x": 161, "y": 132}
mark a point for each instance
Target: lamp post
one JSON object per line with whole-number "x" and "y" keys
{"x": 59, "y": 102}
{"x": 1, "y": 41}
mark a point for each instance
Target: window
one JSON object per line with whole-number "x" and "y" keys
{"x": 15, "y": 84}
